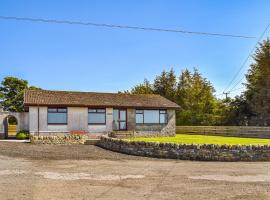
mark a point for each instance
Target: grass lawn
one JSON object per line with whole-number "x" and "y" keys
{"x": 204, "y": 139}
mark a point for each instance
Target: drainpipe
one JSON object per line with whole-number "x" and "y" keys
{"x": 38, "y": 120}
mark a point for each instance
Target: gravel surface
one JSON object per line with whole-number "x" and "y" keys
{"x": 80, "y": 172}
{"x": 59, "y": 152}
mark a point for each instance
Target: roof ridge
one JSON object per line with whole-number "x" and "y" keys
{"x": 70, "y": 91}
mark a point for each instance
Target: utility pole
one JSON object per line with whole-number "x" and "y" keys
{"x": 226, "y": 94}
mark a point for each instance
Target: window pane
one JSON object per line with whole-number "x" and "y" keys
{"x": 96, "y": 118}
{"x": 63, "y": 110}
{"x": 101, "y": 110}
{"x": 52, "y": 109}
{"x": 139, "y": 118}
{"x": 163, "y": 118}
{"x": 57, "y": 118}
{"x": 92, "y": 110}
{"x": 151, "y": 116}
{"x": 122, "y": 115}
{"x": 115, "y": 115}
{"x": 115, "y": 125}
{"x": 122, "y": 125}
{"x": 162, "y": 111}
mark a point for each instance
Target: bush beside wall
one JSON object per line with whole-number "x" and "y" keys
{"x": 187, "y": 152}
{"x": 22, "y": 135}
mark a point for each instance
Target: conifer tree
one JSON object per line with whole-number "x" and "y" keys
{"x": 258, "y": 86}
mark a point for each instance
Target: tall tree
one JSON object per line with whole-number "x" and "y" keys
{"x": 235, "y": 111}
{"x": 11, "y": 93}
{"x": 144, "y": 88}
{"x": 195, "y": 95}
{"x": 192, "y": 92}
{"x": 166, "y": 84}
{"x": 258, "y": 86}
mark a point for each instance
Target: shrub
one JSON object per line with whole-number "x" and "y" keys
{"x": 22, "y": 135}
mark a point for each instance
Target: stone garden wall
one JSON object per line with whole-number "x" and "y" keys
{"x": 187, "y": 152}
{"x": 59, "y": 139}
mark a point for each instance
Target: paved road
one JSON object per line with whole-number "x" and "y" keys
{"x": 115, "y": 176}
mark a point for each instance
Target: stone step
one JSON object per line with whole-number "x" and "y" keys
{"x": 91, "y": 141}
{"x": 122, "y": 134}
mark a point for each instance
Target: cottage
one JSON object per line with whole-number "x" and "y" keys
{"x": 60, "y": 112}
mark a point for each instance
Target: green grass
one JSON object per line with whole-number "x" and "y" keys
{"x": 203, "y": 139}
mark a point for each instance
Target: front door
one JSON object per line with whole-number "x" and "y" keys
{"x": 119, "y": 119}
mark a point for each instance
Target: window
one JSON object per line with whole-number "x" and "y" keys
{"x": 57, "y": 115}
{"x": 96, "y": 116}
{"x": 151, "y": 116}
{"x": 139, "y": 116}
{"x": 163, "y": 117}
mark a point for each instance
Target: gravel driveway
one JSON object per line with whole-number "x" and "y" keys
{"x": 60, "y": 152}
{"x": 87, "y": 172}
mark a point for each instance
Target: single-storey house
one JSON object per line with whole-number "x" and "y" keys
{"x": 59, "y": 112}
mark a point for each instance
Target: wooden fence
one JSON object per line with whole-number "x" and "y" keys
{"x": 237, "y": 131}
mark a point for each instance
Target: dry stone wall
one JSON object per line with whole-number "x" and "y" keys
{"x": 59, "y": 139}
{"x": 187, "y": 152}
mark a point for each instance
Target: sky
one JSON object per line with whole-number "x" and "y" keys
{"x": 85, "y": 58}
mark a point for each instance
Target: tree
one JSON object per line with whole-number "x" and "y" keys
{"x": 166, "y": 84}
{"x": 195, "y": 95}
{"x": 235, "y": 111}
{"x": 192, "y": 92}
{"x": 11, "y": 93}
{"x": 144, "y": 88}
{"x": 258, "y": 86}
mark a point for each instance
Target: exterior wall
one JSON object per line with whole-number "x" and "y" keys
{"x": 103, "y": 128}
{"x": 43, "y": 128}
{"x": 151, "y": 130}
{"x": 22, "y": 121}
{"x": 109, "y": 119}
{"x": 55, "y": 128}
{"x": 97, "y": 128}
{"x": 43, "y": 119}
{"x": 78, "y": 120}
{"x": 33, "y": 119}
{"x": 131, "y": 119}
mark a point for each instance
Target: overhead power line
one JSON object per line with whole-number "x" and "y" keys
{"x": 245, "y": 61}
{"x": 237, "y": 89}
{"x": 237, "y": 83}
{"x": 226, "y": 93}
{"x": 42, "y": 20}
